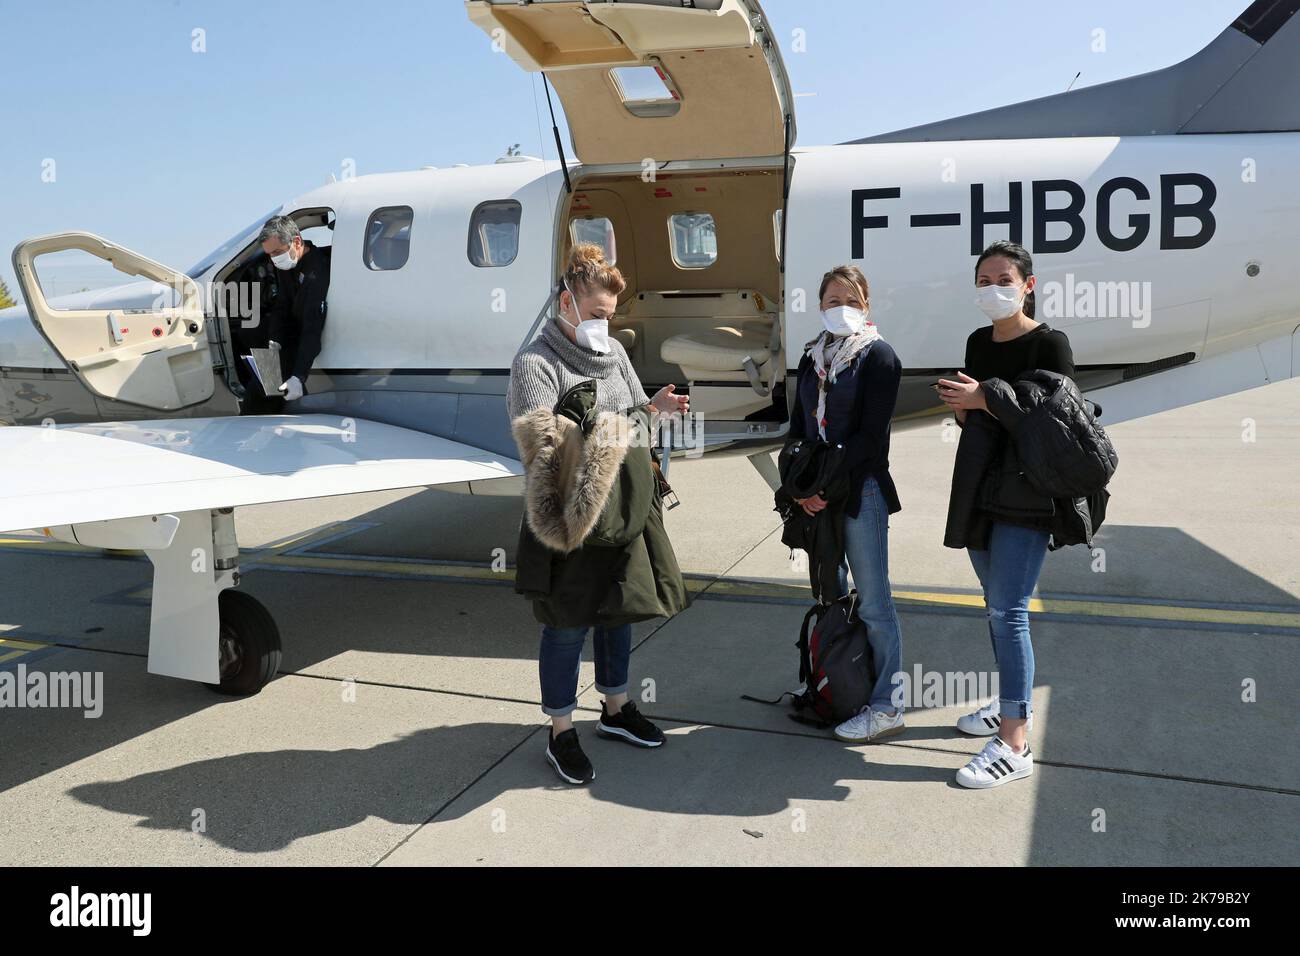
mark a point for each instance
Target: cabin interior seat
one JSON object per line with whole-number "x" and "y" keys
{"x": 720, "y": 353}
{"x": 717, "y": 335}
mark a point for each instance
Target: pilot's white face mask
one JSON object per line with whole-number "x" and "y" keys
{"x": 284, "y": 260}
{"x": 590, "y": 333}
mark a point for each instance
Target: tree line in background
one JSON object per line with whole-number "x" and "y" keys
{"x": 6, "y": 298}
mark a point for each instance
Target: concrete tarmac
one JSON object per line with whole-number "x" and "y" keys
{"x": 405, "y": 726}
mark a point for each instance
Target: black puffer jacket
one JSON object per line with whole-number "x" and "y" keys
{"x": 1062, "y": 449}
{"x": 1021, "y": 463}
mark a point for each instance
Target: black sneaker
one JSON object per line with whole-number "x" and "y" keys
{"x": 566, "y": 756}
{"x": 630, "y": 725}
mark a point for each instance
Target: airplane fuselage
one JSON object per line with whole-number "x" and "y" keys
{"x": 1152, "y": 253}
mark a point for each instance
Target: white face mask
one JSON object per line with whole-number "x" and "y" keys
{"x": 844, "y": 320}
{"x": 998, "y": 301}
{"x": 284, "y": 260}
{"x": 590, "y": 333}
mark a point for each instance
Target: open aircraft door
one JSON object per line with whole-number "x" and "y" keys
{"x": 156, "y": 358}
{"x": 725, "y": 93}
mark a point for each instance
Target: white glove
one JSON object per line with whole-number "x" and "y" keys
{"x": 292, "y": 389}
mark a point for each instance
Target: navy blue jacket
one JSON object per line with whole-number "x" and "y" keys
{"x": 859, "y": 408}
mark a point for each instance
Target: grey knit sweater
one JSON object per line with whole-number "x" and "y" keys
{"x": 552, "y": 364}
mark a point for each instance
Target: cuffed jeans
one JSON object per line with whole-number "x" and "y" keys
{"x": 866, "y": 552}
{"x": 1008, "y": 572}
{"x": 561, "y": 656}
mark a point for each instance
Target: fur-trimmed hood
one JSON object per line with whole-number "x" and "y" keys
{"x": 568, "y": 476}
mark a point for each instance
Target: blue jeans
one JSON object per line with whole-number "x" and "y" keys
{"x": 1008, "y": 572}
{"x": 561, "y": 656}
{"x": 866, "y": 552}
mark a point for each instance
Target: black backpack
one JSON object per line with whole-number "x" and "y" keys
{"x": 835, "y": 665}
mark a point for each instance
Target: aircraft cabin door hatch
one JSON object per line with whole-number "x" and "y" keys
{"x": 653, "y": 78}
{"x": 157, "y": 358}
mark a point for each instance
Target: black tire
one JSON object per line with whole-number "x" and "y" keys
{"x": 250, "y": 644}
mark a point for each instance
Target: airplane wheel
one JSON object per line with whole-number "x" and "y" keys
{"x": 250, "y": 644}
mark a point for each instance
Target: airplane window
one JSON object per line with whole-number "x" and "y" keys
{"x": 597, "y": 230}
{"x": 646, "y": 90}
{"x": 234, "y": 243}
{"x": 388, "y": 238}
{"x": 694, "y": 240}
{"x": 494, "y": 233}
{"x": 322, "y": 237}
{"x": 72, "y": 279}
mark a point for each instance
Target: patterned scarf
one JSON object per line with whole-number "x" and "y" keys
{"x": 832, "y": 354}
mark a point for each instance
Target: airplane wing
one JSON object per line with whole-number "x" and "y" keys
{"x": 73, "y": 474}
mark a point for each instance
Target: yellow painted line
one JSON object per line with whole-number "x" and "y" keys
{"x": 739, "y": 588}
{"x": 747, "y": 588}
{"x": 46, "y": 544}
{"x": 1173, "y": 612}
{"x": 23, "y": 645}
{"x": 1149, "y": 612}
{"x": 20, "y": 648}
{"x": 471, "y": 572}
{"x": 1146, "y": 612}
{"x": 939, "y": 597}
{"x": 53, "y": 545}
{"x": 395, "y": 566}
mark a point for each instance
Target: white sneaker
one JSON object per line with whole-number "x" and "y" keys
{"x": 985, "y": 721}
{"x": 995, "y": 765}
{"x": 871, "y": 725}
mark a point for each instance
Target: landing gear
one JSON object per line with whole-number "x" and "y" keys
{"x": 249, "y": 643}
{"x": 200, "y": 627}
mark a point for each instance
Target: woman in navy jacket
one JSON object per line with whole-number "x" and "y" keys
{"x": 847, "y": 388}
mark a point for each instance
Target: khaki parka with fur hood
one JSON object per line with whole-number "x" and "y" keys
{"x": 592, "y": 545}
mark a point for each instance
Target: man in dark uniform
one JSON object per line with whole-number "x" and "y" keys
{"x": 297, "y": 316}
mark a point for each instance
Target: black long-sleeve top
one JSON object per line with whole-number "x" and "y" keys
{"x": 1040, "y": 347}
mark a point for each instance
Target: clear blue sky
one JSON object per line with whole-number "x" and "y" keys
{"x": 169, "y": 152}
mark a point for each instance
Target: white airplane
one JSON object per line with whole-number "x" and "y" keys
{"x": 1162, "y": 211}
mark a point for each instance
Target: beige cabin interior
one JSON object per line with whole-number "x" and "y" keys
{"x": 695, "y": 326}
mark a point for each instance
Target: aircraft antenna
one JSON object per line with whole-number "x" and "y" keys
{"x": 541, "y": 141}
